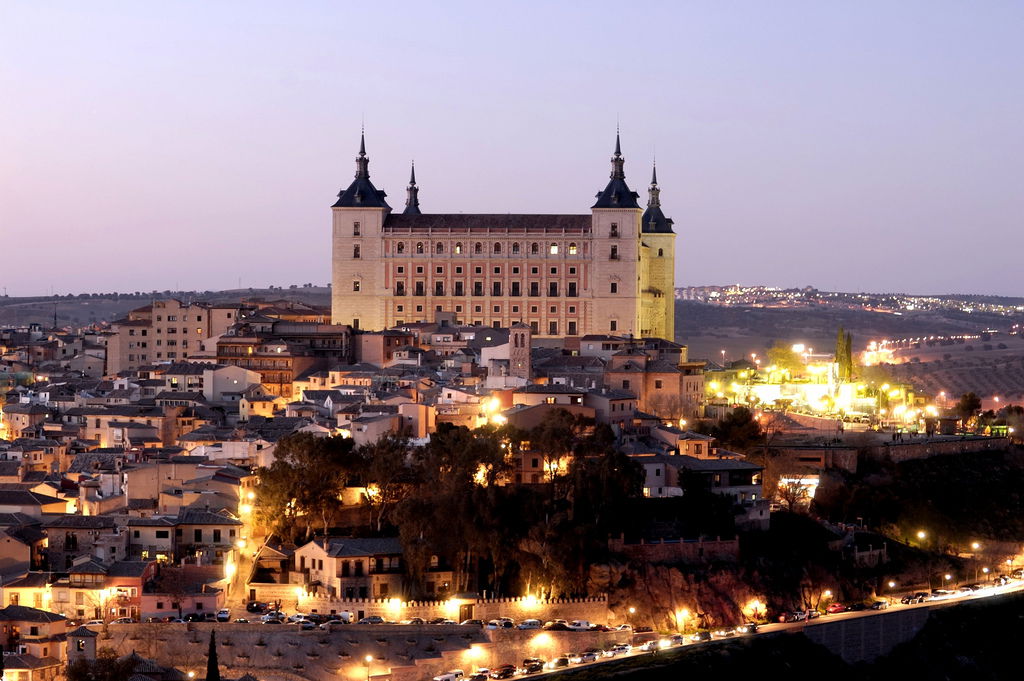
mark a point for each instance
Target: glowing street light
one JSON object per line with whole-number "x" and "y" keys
{"x": 921, "y": 534}
{"x": 975, "y": 545}
{"x": 892, "y": 584}
{"x": 368, "y": 659}
{"x": 632, "y": 610}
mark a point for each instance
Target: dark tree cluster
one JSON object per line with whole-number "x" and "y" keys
{"x": 456, "y": 498}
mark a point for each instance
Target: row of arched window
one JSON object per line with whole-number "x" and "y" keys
{"x": 420, "y": 248}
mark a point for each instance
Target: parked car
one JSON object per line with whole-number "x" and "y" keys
{"x": 306, "y": 625}
{"x": 813, "y": 614}
{"x": 377, "y": 619}
{"x": 174, "y": 619}
{"x": 223, "y": 615}
{"x": 558, "y": 662}
{"x": 579, "y": 625}
{"x": 123, "y": 620}
{"x": 533, "y": 665}
{"x": 256, "y": 606}
{"x": 588, "y": 656}
{"x": 505, "y": 671}
{"x": 856, "y": 607}
{"x": 479, "y": 676}
{"x": 623, "y": 627}
{"x": 648, "y": 646}
{"x": 880, "y": 605}
{"x": 701, "y": 636}
{"x": 552, "y": 626}
{"x": 679, "y": 639}
{"x": 474, "y": 623}
{"x": 724, "y": 633}
{"x": 92, "y": 623}
{"x": 240, "y": 620}
{"x": 834, "y": 608}
{"x": 529, "y": 624}
{"x": 413, "y": 620}
{"x": 748, "y": 628}
{"x": 453, "y": 675}
{"x": 622, "y": 648}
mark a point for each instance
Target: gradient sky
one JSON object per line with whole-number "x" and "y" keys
{"x": 850, "y": 146}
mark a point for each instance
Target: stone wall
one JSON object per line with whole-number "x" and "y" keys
{"x": 458, "y": 609}
{"x": 677, "y": 550}
{"x": 398, "y": 652}
{"x": 908, "y": 450}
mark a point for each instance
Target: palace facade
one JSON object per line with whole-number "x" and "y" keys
{"x": 611, "y": 271}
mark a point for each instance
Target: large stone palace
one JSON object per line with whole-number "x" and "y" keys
{"x": 611, "y": 271}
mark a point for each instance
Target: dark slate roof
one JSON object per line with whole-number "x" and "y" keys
{"x": 90, "y": 522}
{"x": 539, "y": 223}
{"x": 127, "y": 568}
{"x": 655, "y": 222}
{"x": 363, "y": 546}
{"x": 15, "y": 519}
{"x": 88, "y": 567}
{"x": 695, "y": 464}
{"x": 9, "y": 468}
{"x": 27, "y": 661}
{"x": 25, "y": 497}
{"x": 361, "y": 193}
{"x": 82, "y": 632}
{"x": 195, "y": 516}
{"x": 23, "y": 613}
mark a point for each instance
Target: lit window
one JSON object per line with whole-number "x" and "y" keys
{"x": 553, "y": 249}
{"x": 572, "y": 249}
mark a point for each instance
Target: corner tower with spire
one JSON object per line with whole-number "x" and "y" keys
{"x": 657, "y": 267}
{"x": 615, "y": 228}
{"x": 412, "y": 199}
{"x": 357, "y": 247}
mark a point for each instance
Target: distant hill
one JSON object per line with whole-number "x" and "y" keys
{"x": 91, "y": 308}
{"x": 709, "y": 329}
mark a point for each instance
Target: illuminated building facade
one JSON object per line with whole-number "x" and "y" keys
{"x": 609, "y": 271}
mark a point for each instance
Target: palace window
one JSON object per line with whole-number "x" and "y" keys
{"x": 615, "y": 253}
{"x": 419, "y": 247}
{"x": 439, "y": 248}
{"x": 355, "y": 286}
{"x": 355, "y": 251}
{"x": 515, "y": 248}
{"x": 614, "y": 287}
{"x": 400, "y": 248}
{"x": 553, "y": 249}
{"x": 534, "y": 249}
{"x": 497, "y": 248}
{"x": 355, "y": 229}
{"x": 572, "y": 249}
{"x": 458, "y": 248}
{"x": 478, "y": 247}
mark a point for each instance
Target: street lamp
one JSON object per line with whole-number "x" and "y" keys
{"x": 921, "y": 534}
{"x": 368, "y": 659}
{"x": 975, "y": 545}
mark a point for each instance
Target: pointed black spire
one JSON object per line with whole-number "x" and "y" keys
{"x": 617, "y": 194}
{"x": 653, "y": 192}
{"x": 362, "y": 161}
{"x": 412, "y": 200}
{"x": 654, "y": 220}
{"x": 212, "y": 667}
{"x": 618, "y": 172}
{"x": 361, "y": 193}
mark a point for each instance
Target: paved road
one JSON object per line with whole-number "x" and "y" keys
{"x": 987, "y": 592}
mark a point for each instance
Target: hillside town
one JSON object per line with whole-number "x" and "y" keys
{"x": 143, "y": 469}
